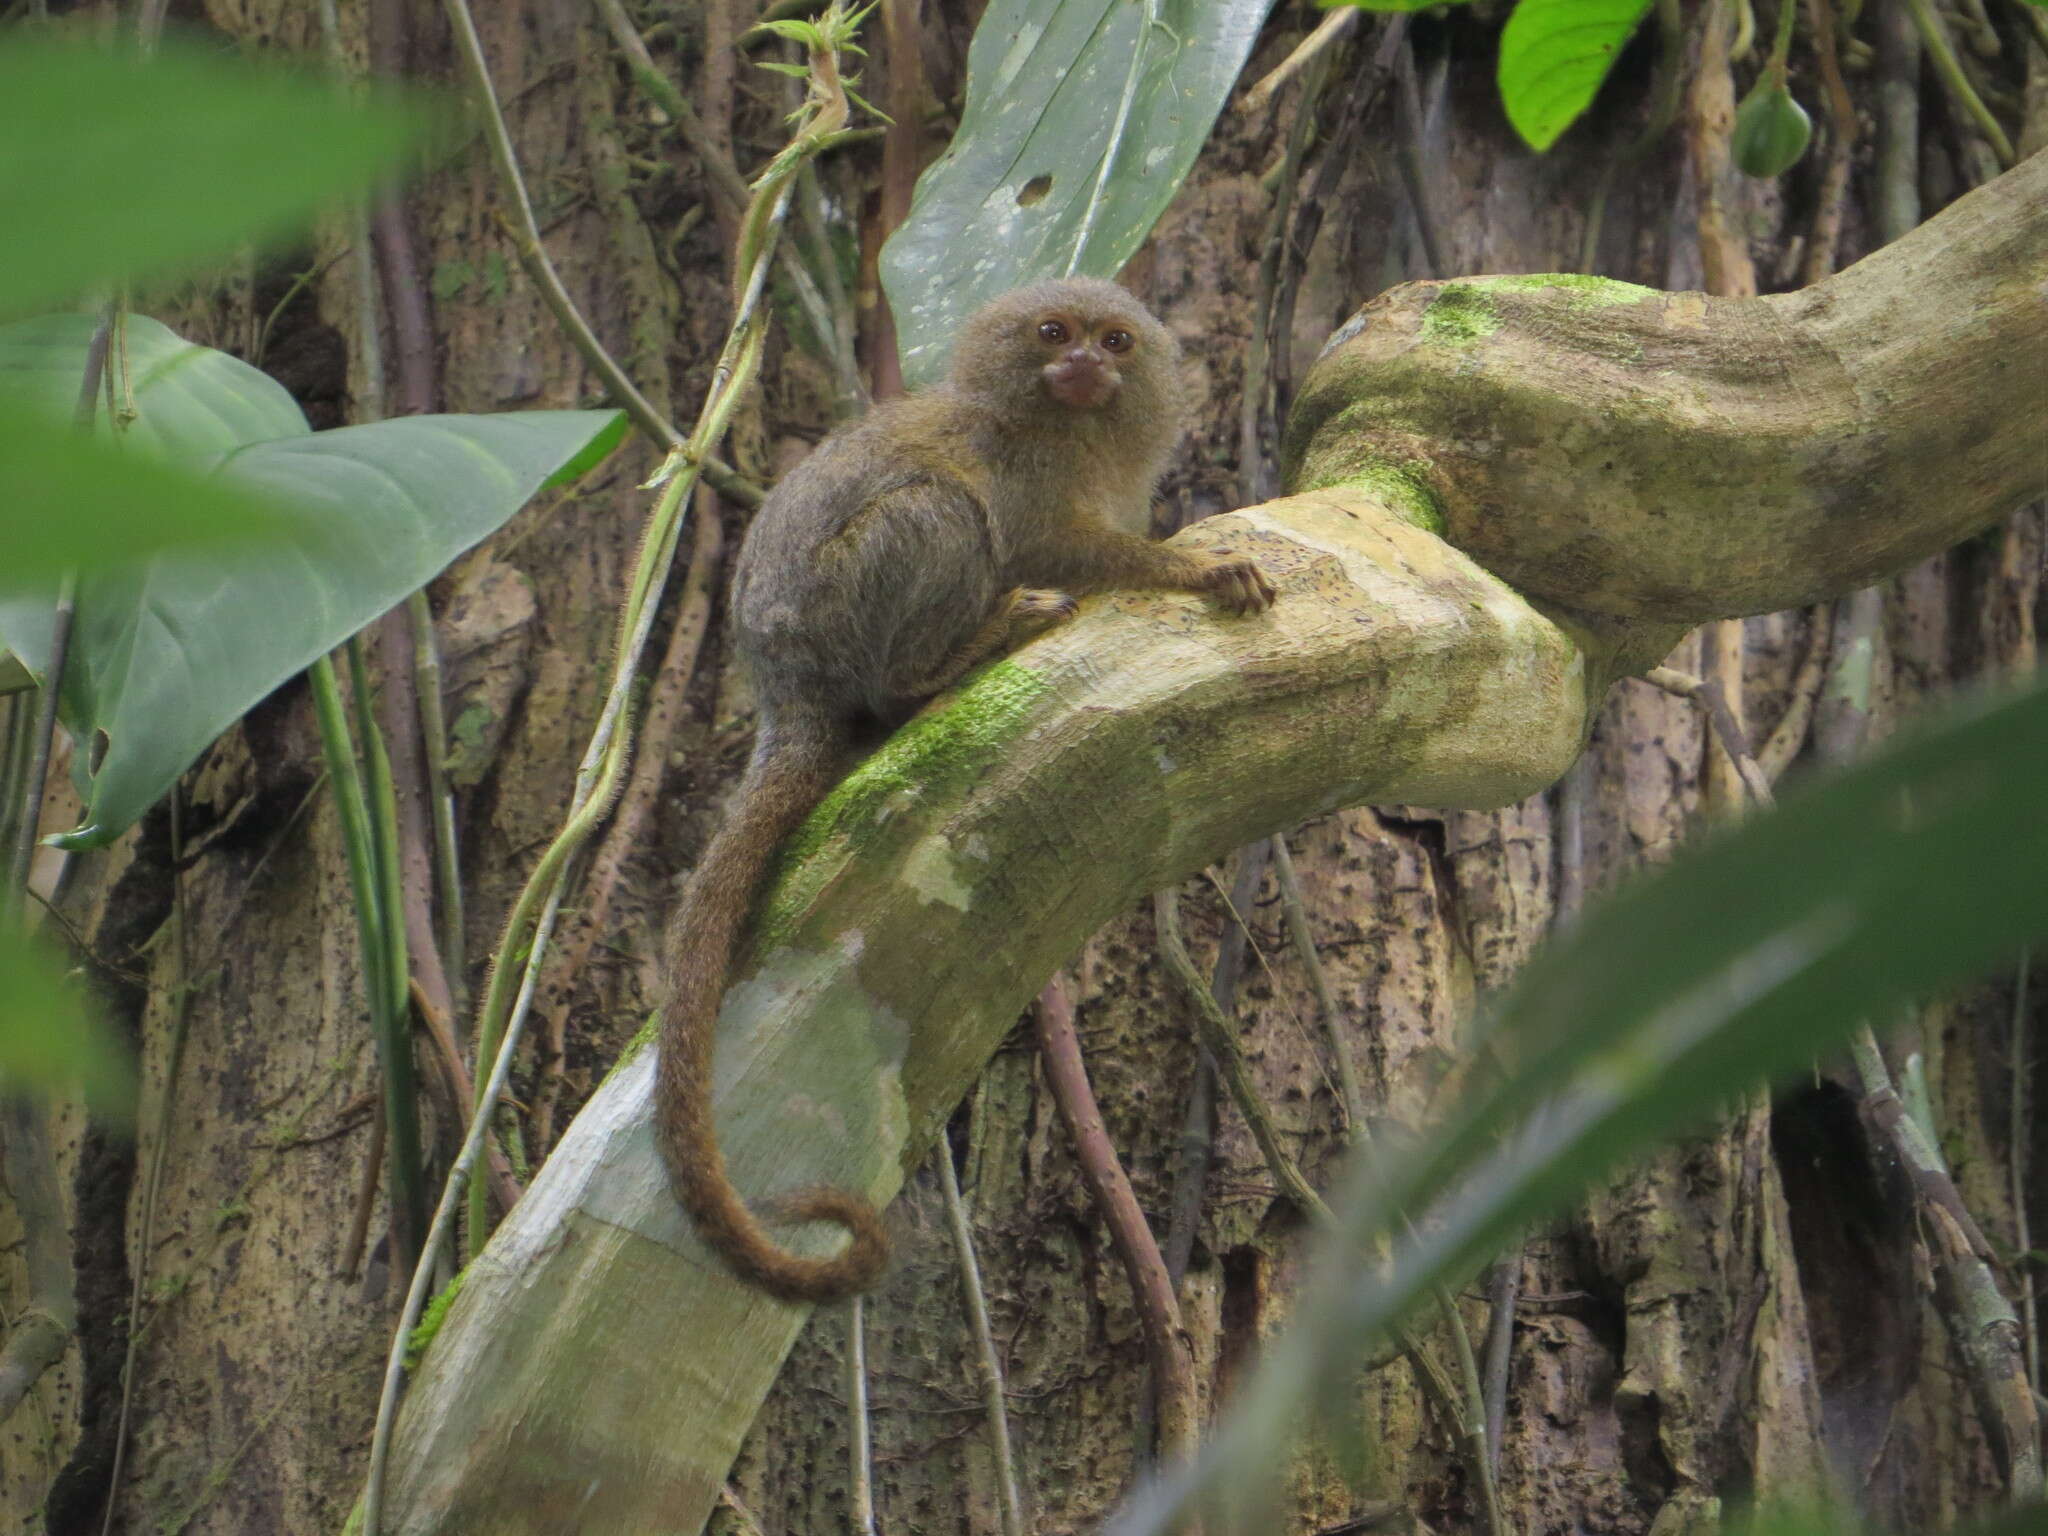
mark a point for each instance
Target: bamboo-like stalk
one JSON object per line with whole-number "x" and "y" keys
{"x": 390, "y": 1009}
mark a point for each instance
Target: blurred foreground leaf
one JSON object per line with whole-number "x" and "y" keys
{"x": 49, "y": 1043}
{"x": 119, "y": 166}
{"x": 1756, "y": 949}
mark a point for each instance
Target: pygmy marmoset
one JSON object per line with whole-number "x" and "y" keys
{"x": 911, "y": 545}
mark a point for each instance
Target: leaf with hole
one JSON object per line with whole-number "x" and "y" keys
{"x": 1055, "y": 88}
{"x": 168, "y": 652}
{"x": 151, "y": 167}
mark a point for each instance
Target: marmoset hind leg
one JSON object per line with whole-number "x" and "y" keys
{"x": 1022, "y": 613}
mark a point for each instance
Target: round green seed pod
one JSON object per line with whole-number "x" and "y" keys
{"x": 1771, "y": 129}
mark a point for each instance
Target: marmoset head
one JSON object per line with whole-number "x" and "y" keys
{"x": 1076, "y": 347}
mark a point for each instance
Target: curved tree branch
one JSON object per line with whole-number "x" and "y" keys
{"x": 1682, "y": 457}
{"x": 1657, "y": 459}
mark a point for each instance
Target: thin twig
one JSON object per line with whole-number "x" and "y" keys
{"x": 437, "y": 1234}
{"x": 860, "y": 1449}
{"x": 1359, "y": 98}
{"x": 366, "y": 1200}
{"x": 1823, "y": 243}
{"x": 426, "y": 682}
{"x": 1410, "y": 134}
{"x": 1257, "y": 479}
{"x": 720, "y": 173}
{"x": 391, "y": 1012}
{"x": 1464, "y": 1409}
{"x": 1503, "y": 1287}
{"x": 1942, "y": 55}
{"x": 1980, "y": 1320}
{"x": 627, "y": 833}
{"x": 988, "y": 1364}
{"x": 1778, "y": 750}
{"x": 1332, "y": 30}
{"x": 181, "y": 993}
{"x": 1726, "y": 730}
{"x": 1295, "y": 912}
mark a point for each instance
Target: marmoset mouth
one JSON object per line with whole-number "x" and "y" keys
{"x": 1083, "y": 384}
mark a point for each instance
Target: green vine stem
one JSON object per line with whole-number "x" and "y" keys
{"x": 1942, "y": 55}
{"x": 426, "y": 666}
{"x": 373, "y": 925}
{"x": 391, "y": 1015}
{"x": 515, "y": 966}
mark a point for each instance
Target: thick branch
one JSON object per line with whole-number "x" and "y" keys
{"x": 1681, "y": 457}
{"x": 599, "y": 1367}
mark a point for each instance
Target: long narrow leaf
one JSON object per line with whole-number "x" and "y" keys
{"x": 1914, "y": 871}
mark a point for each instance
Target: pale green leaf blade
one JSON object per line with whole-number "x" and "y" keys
{"x": 1553, "y": 56}
{"x": 192, "y": 404}
{"x": 73, "y": 504}
{"x": 154, "y": 167}
{"x": 165, "y": 656}
{"x": 1010, "y": 198}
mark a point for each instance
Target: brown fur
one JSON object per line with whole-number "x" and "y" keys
{"x": 909, "y": 547}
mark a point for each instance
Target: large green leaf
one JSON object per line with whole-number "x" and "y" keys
{"x": 1918, "y": 869}
{"x": 1553, "y": 56}
{"x": 49, "y": 1043}
{"x": 139, "y": 508}
{"x": 193, "y": 404}
{"x": 118, "y": 166}
{"x": 167, "y": 652}
{"x": 1047, "y": 81}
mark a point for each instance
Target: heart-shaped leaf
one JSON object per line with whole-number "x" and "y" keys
{"x": 1054, "y": 86}
{"x": 166, "y": 653}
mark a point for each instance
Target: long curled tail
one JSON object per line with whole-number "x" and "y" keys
{"x": 793, "y": 766}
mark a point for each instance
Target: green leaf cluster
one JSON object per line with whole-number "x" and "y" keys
{"x": 215, "y": 543}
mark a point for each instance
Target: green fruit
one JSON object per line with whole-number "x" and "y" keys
{"x": 1771, "y": 129}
